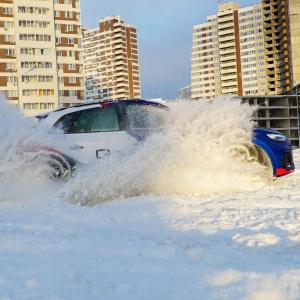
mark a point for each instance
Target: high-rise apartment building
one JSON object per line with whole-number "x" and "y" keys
{"x": 247, "y": 51}
{"x": 282, "y": 30}
{"x": 228, "y": 48}
{"x": 203, "y": 84}
{"x": 272, "y": 34}
{"x": 293, "y": 11}
{"x": 228, "y": 53}
{"x": 41, "y": 54}
{"x": 111, "y": 63}
{"x": 252, "y": 52}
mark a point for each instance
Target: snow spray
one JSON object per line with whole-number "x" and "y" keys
{"x": 190, "y": 158}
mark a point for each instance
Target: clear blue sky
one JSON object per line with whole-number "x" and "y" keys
{"x": 165, "y": 29}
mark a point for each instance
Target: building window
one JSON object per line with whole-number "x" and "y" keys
{"x": 68, "y": 14}
{"x": 11, "y": 66}
{"x": 12, "y": 93}
{"x": 71, "y": 67}
{"x": 72, "y": 79}
{"x": 7, "y": 10}
{"x": 29, "y": 106}
{"x": 9, "y": 38}
{"x": 9, "y": 52}
{"x": 69, "y": 27}
{"x": 69, "y": 40}
{"x": 8, "y": 24}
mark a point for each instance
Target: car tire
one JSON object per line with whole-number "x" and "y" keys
{"x": 264, "y": 159}
{"x": 253, "y": 154}
{"x": 59, "y": 168}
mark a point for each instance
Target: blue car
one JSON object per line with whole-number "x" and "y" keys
{"x": 94, "y": 130}
{"x": 278, "y": 150}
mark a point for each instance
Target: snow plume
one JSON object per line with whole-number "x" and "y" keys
{"x": 191, "y": 157}
{"x": 19, "y": 171}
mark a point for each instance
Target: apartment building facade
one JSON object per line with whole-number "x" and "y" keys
{"x": 111, "y": 63}
{"x": 41, "y": 54}
{"x": 203, "y": 84}
{"x": 255, "y": 50}
{"x": 282, "y": 30}
{"x": 252, "y": 52}
{"x": 228, "y": 48}
{"x": 227, "y": 53}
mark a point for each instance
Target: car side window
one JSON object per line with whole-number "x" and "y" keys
{"x": 97, "y": 120}
{"x": 145, "y": 116}
{"x": 64, "y": 123}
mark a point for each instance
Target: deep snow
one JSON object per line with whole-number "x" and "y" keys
{"x": 168, "y": 231}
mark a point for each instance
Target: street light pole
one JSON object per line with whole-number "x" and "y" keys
{"x": 16, "y": 78}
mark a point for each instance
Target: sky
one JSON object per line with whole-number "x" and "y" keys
{"x": 169, "y": 222}
{"x": 165, "y": 31}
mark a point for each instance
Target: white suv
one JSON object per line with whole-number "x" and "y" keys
{"x": 92, "y": 131}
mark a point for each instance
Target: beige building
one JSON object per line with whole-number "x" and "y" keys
{"x": 228, "y": 53}
{"x": 111, "y": 63}
{"x": 228, "y": 47}
{"x": 255, "y": 50}
{"x": 202, "y": 70}
{"x": 216, "y": 64}
{"x": 254, "y": 64}
{"x": 282, "y": 29}
{"x": 41, "y": 54}
{"x": 293, "y": 8}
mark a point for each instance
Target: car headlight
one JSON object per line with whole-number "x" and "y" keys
{"x": 277, "y": 137}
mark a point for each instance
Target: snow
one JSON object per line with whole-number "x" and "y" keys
{"x": 150, "y": 228}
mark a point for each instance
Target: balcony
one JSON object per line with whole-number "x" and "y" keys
{"x": 118, "y": 35}
{"x": 227, "y": 58}
{"x": 118, "y": 52}
{"x": 228, "y": 64}
{"x": 267, "y": 17}
{"x": 269, "y": 38}
{"x": 230, "y": 44}
{"x": 230, "y": 84}
{"x": 230, "y": 31}
{"x": 119, "y": 62}
{"x": 225, "y": 18}
{"x": 228, "y": 38}
{"x": 230, "y": 90}
{"x": 270, "y": 72}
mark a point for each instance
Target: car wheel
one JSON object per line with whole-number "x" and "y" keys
{"x": 59, "y": 168}
{"x": 244, "y": 152}
{"x": 253, "y": 154}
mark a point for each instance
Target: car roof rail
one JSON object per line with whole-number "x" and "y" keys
{"x": 89, "y": 103}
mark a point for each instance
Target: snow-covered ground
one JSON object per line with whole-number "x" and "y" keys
{"x": 186, "y": 225}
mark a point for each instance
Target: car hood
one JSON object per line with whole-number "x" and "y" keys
{"x": 259, "y": 130}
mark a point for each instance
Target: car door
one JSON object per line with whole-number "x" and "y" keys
{"x": 95, "y": 133}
